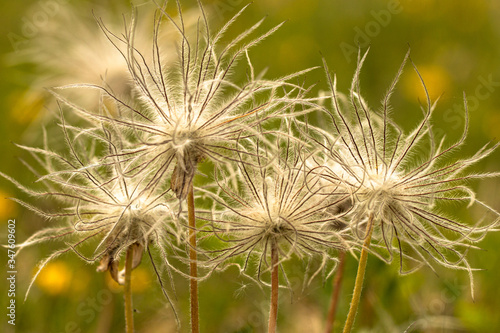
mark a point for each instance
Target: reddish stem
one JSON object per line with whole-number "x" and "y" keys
{"x": 193, "y": 266}
{"x": 273, "y": 312}
{"x": 337, "y": 282}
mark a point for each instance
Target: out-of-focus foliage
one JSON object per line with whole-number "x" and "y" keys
{"x": 456, "y": 47}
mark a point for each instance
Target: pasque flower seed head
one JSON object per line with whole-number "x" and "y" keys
{"x": 391, "y": 178}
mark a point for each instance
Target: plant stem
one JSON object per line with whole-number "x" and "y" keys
{"x": 273, "y": 312}
{"x": 359, "y": 277}
{"x": 129, "y": 312}
{"x": 337, "y": 282}
{"x": 193, "y": 266}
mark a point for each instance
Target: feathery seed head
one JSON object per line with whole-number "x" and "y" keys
{"x": 190, "y": 109}
{"x": 272, "y": 205}
{"x": 97, "y": 206}
{"x": 384, "y": 171}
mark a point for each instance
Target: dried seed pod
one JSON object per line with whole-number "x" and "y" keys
{"x": 183, "y": 174}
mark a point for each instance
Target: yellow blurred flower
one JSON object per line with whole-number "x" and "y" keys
{"x": 7, "y": 207}
{"x": 55, "y": 278}
{"x": 437, "y": 80}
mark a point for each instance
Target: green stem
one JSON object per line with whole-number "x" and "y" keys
{"x": 337, "y": 282}
{"x": 193, "y": 267}
{"x": 129, "y": 312}
{"x": 273, "y": 312}
{"x": 359, "y": 278}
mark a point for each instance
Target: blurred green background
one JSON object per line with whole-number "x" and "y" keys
{"x": 456, "y": 47}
